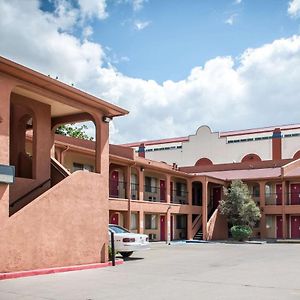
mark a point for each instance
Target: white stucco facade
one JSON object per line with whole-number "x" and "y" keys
{"x": 224, "y": 147}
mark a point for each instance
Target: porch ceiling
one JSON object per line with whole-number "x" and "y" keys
{"x": 58, "y": 109}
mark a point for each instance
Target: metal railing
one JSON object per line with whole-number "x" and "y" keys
{"x": 273, "y": 199}
{"x": 179, "y": 197}
{"x": 134, "y": 191}
{"x": 293, "y": 198}
{"x": 117, "y": 189}
{"x": 154, "y": 194}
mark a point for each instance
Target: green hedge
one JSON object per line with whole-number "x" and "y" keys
{"x": 241, "y": 232}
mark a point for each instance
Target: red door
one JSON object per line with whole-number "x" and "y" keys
{"x": 171, "y": 191}
{"x": 113, "y": 184}
{"x": 295, "y": 227}
{"x": 295, "y": 194}
{"x": 162, "y": 185}
{"x": 279, "y": 223}
{"x": 278, "y": 194}
{"x": 216, "y": 197}
{"x": 162, "y": 228}
{"x": 114, "y": 219}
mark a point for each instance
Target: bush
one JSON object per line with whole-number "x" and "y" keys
{"x": 241, "y": 232}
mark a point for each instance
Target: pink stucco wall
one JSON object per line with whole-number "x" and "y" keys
{"x": 61, "y": 227}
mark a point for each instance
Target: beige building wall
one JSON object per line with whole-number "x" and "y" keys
{"x": 290, "y": 145}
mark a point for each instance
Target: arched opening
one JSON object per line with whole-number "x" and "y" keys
{"x": 22, "y": 141}
{"x": 204, "y": 162}
{"x": 80, "y": 136}
{"x": 252, "y": 157}
{"x": 297, "y": 155}
{"x": 197, "y": 193}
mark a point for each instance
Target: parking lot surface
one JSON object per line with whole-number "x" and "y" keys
{"x": 177, "y": 271}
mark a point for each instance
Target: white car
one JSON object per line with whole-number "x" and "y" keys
{"x": 127, "y": 242}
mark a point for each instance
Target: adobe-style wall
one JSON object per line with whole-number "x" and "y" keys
{"x": 217, "y": 228}
{"x": 60, "y": 228}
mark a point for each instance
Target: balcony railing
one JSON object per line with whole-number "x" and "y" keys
{"x": 180, "y": 197}
{"x": 134, "y": 191}
{"x": 154, "y": 194}
{"x": 293, "y": 198}
{"x": 117, "y": 189}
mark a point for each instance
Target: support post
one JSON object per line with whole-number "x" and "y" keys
{"x": 262, "y": 202}
{"x": 204, "y": 208}
{"x": 141, "y": 182}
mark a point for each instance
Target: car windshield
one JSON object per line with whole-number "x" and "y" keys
{"x": 118, "y": 229}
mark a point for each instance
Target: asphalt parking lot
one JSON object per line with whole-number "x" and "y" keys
{"x": 179, "y": 271}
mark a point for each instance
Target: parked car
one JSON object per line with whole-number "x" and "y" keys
{"x": 127, "y": 242}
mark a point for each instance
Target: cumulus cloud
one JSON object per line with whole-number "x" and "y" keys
{"x": 294, "y": 8}
{"x": 259, "y": 88}
{"x": 93, "y": 8}
{"x": 140, "y": 25}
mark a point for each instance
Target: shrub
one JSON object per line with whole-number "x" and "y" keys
{"x": 241, "y": 232}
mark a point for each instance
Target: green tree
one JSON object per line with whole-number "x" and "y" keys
{"x": 74, "y": 131}
{"x": 239, "y": 206}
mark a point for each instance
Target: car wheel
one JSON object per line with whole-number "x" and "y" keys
{"x": 126, "y": 254}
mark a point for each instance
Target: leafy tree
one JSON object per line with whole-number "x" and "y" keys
{"x": 74, "y": 131}
{"x": 239, "y": 206}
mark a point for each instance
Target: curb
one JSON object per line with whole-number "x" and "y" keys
{"x": 18, "y": 274}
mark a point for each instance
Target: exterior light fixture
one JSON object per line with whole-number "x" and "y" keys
{"x": 142, "y": 169}
{"x": 106, "y": 119}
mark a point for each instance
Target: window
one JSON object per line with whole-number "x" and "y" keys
{"x": 256, "y": 191}
{"x": 180, "y": 222}
{"x": 150, "y": 184}
{"x": 133, "y": 221}
{"x": 150, "y": 221}
{"x": 84, "y": 167}
{"x": 180, "y": 189}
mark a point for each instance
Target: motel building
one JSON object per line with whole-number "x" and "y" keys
{"x": 58, "y": 194}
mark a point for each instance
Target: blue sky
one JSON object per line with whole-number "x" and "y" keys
{"x": 175, "y": 65}
{"x": 182, "y": 34}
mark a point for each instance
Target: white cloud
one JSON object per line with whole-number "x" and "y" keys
{"x": 259, "y": 88}
{"x": 138, "y": 4}
{"x": 87, "y": 32}
{"x": 294, "y": 8}
{"x": 231, "y": 19}
{"x": 140, "y": 25}
{"x": 93, "y": 8}
{"x": 237, "y": 1}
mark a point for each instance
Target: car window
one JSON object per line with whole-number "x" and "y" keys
{"x": 117, "y": 229}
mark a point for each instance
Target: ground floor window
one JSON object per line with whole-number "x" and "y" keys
{"x": 180, "y": 222}
{"x": 150, "y": 221}
{"x": 133, "y": 221}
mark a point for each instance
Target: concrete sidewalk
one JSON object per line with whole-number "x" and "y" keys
{"x": 178, "y": 271}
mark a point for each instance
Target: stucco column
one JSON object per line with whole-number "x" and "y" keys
{"x": 5, "y": 91}
{"x": 190, "y": 192}
{"x": 168, "y": 225}
{"x": 168, "y": 188}
{"x": 284, "y": 197}
{"x": 262, "y": 202}
{"x": 204, "y": 208}
{"x": 128, "y": 196}
{"x": 141, "y": 222}
{"x": 189, "y": 226}
{"x": 141, "y": 182}
{"x": 102, "y": 145}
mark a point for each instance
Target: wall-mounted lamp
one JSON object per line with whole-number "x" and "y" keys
{"x": 106, "y": 119}
{"x": 142, "y": 169}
